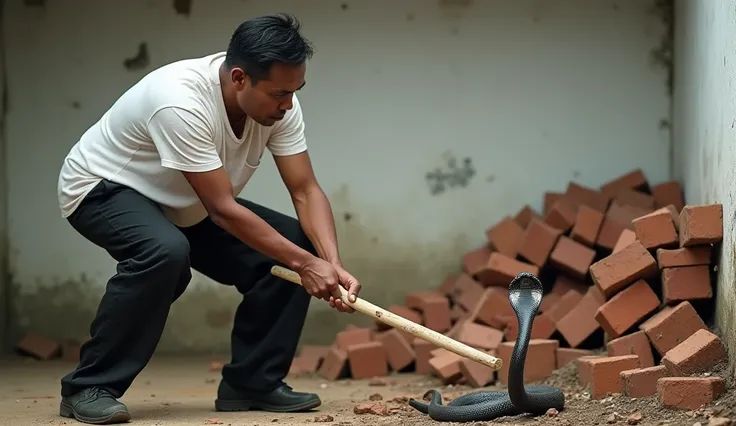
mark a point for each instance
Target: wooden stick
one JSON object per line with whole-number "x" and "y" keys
{"x": 396, "y": 321}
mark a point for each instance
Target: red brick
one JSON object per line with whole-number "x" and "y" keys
{"x": 422, "y": 349}
{"x": 334, "y": 365}
{"x": 689, "y": 393}
{"x": 605, "y": 373}
{"x": 367, "y": 360}
{"x": 540, "y": 359}
{"x": 468, "y": 292}
{"x": 567, "y": 355}
{"x": 548, "y": 301}
{"x": 501, "y": 269}
{"x": 448, "y": 284}
{"x": 572, "y": 257}
{"x": 656, "y": 230}
{"x": 525, "y": 215}
{"x": 543, "y": 327}
{"x": 634, "y": 179}
{"x": 70, "y": 350}
{"x": 479, "y": 336}
{"x": 560, "y": 216}
{"x": 626, "y": 237}
{"x": 550, "y": 198}
{"x": 588, "y": 224}
{"x": 579, "y": 323}
{"x": 353, "y": 336}
{"x": 495, "y": 301}
{"x": 457, "y": 313}
{"x": 625, "y": 214}
{"x": 564, "y": 306}
{"x": 698, "y": 353}
{"x": 675, "y": 215}
{"x": 408, "y": 313}
{"x": 686, "y": 256}
{"x": 446, "y": 367}
{"x": 585, "y": 196}
{"x": 39, "y": 346}
{"x": 478, "y": 375}
{"x": 475, "y": 260}
{"x": 563, "y": 284}
{"x": 584, "y": 368}
{"x": 539, "y": 239}
{"x": 671, "y": 326}
{"x": 609, "y": 234}
{"x": 629, "y": 197}
{"x": 667, "y": 193}
{"x": 642, "y": 382}
{"x": 506, "y": 236}
{"x": 686, "y": 283}
{"x": 627, "y": 309}
{"x": 434, "y": 306}
{"x": 618, "y": 270}
{"x": 399, "y": 352}
{"x": 636, "y": 343}
{"x": 701, "y": 225}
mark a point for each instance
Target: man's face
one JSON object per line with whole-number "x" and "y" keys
{"x": 268, "y": 101}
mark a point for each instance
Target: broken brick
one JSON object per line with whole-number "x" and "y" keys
{"x": 642, "y": 382}
{"x": 634, "y": 179}
{"x": 434, "y": 306}
{"x": 475, "y": 260}
{"x": 560, "y": 216}
{"x": 446, "y": 367}
{"x": 538, "y": 241}
{"x": 686, "y": 256}
{"x": 686, "y": 283}
{"x": 422, "y": 349}
{"x": 572, "y": 257}
{"x": 667, "y": 193}
{"x": 636, "y": 343}
{"x": 567, "y": 355}
{"x": 399, "y": 352}
{"x": 540, "y": 359}
{"x": 605, "y": 373}
{"x": 656, "y": 230}
{"x": 588, "y": 223}
{"x": 367, "y": 360}
{"x": 671, "y": 326}
{"x": 506, "y": 236}
{"x": 689, "y": 393}
{"x": 616, "y": 271}
{"x": 479, "y": 336}
{"x": 701, "y": 225}
{"x": 584, "y": 196}
{"x": 501, "y": 269}
{"x": 39, "y": 346}
{"x": 627, "y": 308}
{"x": 525, "y": 215}
{"x": 698, "y": 353}
{"x": 478, "y": 375}
{"x": 334, "y": 365}
{"x": 579, "y": 323}
{"x": 626, "y": 237}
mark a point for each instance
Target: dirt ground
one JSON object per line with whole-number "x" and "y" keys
{"x": 173, "y": 391}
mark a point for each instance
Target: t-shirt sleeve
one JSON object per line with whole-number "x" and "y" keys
{"x": 184, "y": 140}
{"x": 288, "y": 136}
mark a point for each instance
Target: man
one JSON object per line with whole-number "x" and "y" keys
{"x": 153, "y": 183}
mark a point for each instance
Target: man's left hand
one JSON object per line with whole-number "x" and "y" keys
{"x": 350, "y": 284}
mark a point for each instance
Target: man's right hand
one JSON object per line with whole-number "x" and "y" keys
{"x": 320, "y": 278}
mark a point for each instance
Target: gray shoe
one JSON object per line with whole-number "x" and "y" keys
{"x": 94, "y": 406}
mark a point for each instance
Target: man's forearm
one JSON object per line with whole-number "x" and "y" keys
{"x": 258, "y": 234}
{"x": 315, "y": 215}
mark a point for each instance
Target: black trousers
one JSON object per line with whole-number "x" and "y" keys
{"x": 154, "y": 259}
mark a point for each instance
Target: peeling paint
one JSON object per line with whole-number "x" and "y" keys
{"x": 451, "y": 175}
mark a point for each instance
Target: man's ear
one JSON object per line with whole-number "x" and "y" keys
{"x": 239, "y": 78}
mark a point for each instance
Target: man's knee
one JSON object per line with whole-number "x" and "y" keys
{"x": 171, "y": 256}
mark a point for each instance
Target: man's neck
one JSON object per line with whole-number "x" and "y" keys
{"x": 234, "y": 114}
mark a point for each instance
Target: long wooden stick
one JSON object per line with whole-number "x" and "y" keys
{"x": 396, "y": 321}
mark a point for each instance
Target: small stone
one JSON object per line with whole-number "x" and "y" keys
{"x": 376, "y": 408}
{"x": 720, "y": 421}
{"x": 323, "y": 418}
{"x": 376, "y": 397}
{"x": 611, "y": 419}
{"x": 377, "y": 382}
{"x": 552, "y": 412}
{"x": 634, "y": 418}
{"x": 212, "y": 422}
{"x": 323, "y": 386}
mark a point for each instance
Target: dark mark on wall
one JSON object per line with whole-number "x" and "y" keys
{"x": 140, "y": 60}
{"x": 490, "y": 178}
{"x": 76, "y": 105}
{"x": 344, "y": 6}
{"x": 453, "y": 176}
{"x": 183, "y": 7}
{"x": 34, "y": 2}
{"x": 347, "y": 216}
{"x": 410, "y": 17}
{"x": 576, "y": 174}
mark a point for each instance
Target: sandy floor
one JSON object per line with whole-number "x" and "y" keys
{"x": 182, "y": 391}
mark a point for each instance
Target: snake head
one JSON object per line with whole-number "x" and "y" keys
{"x": 526, "y": 288}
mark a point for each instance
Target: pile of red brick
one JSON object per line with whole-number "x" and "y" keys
{"x": 627, "y": 262}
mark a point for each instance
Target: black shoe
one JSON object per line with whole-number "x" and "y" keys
{"x": 95, "y": 406}
{"x": 280, "y": 400}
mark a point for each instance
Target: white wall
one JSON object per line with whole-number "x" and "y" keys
{"x": 704, "y": 135}
{"x": 566, "y": 88}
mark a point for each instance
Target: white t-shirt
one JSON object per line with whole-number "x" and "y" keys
{"x": 173, "y": 120}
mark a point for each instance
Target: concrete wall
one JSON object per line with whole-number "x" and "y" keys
{"x": 398, "y": 89}
{"x": 704, "y": 135}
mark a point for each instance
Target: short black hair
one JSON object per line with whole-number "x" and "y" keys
{"x": 260, "y": 41}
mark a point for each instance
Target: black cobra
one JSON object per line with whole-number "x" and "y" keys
{"x": 525, "y": 295}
